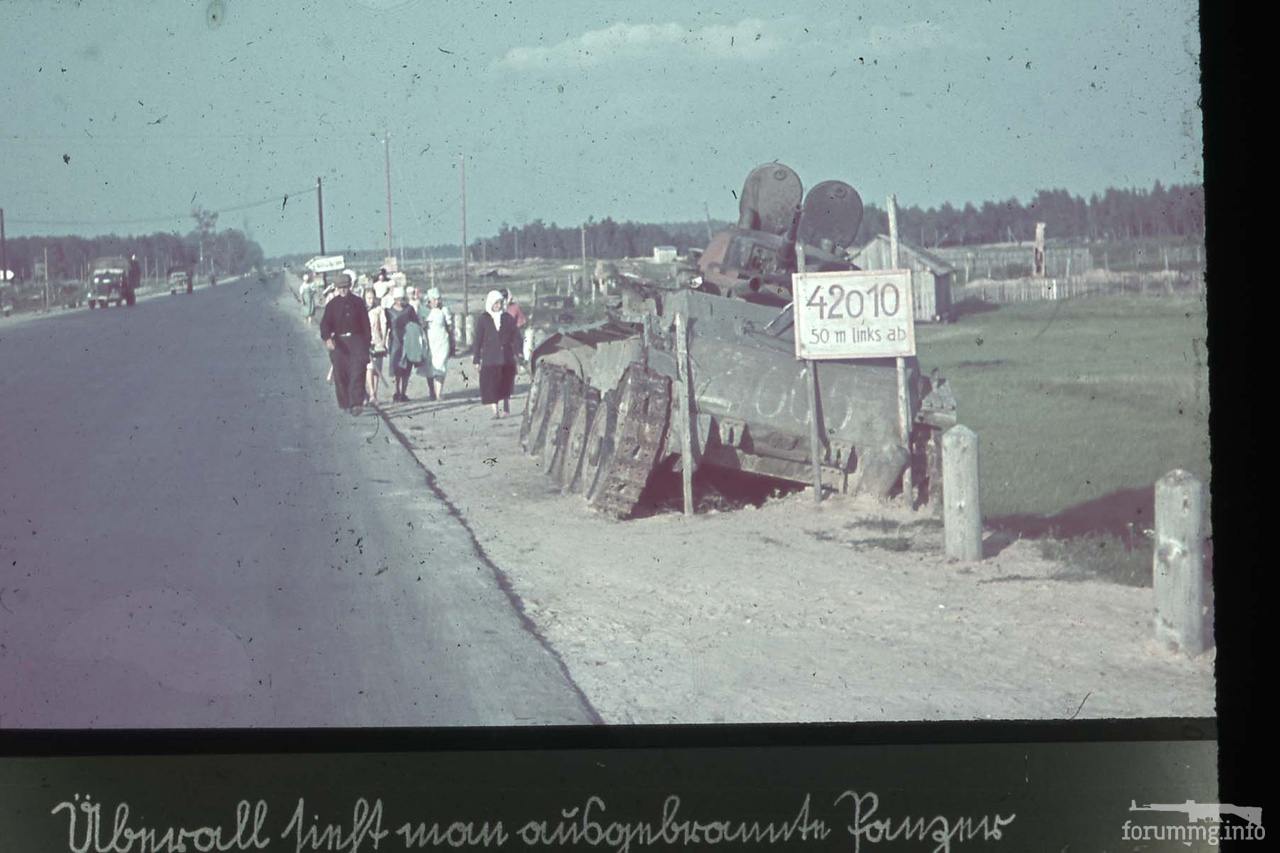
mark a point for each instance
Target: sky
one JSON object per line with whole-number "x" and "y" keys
{"x": 117, "y": 115}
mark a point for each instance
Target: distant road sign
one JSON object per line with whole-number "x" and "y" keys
{"x": 333, "y": 263}
{"x": 8, "y": 275}
{"x": 853, "y": 314}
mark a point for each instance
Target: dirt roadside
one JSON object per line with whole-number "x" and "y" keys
{"x": 792, "y": 612}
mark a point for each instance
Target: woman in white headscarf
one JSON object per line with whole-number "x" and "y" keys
{"x": 438, "y": 323}
{"x": 495, "y": 350}
{"x": 402, "y": 323}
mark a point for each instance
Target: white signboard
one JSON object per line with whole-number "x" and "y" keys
{"x": 333, "y": 263}
{"x": 8, "y": 275}
{"x": 390, "y": 264}
{"x": 853, "y": 314}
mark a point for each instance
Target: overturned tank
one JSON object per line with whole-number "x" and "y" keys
{"x": 600, "y": 412}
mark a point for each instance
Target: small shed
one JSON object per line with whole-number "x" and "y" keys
{"x": 664, "y": 254}
{"x": 931, "y": 276}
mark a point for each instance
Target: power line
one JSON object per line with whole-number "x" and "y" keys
{"x": 281, "y": 198}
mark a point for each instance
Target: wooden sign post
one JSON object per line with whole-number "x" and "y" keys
{"x": 904, "y": 399}
{"x": 811, "y": 367}
{"x": 684, "y": 391}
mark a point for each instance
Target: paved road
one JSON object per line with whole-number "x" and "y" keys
{"x": 192, "y": 536}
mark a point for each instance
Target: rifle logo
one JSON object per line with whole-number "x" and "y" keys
{"x": 1197, "y": 812}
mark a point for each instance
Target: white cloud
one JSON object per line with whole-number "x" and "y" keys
{"x": 748, "y": 39}
{"x": 920, "y": 35}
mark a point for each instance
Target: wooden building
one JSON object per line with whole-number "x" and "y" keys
{"x": 931, "y": 276}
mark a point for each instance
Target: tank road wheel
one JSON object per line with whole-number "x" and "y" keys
{"x": 576, "y": 444}
{"x": 533, "y": 426}
{"x": 644, "y": 403}
{"x": 597, "y": 444}
{"x": 559, "y": 421}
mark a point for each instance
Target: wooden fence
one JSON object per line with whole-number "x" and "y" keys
{"x": 1076, "y": 287}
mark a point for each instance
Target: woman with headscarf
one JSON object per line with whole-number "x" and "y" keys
{"x": 495, "y": 350}
{"x": 401, "y": 321}
{"x": 307, "y": 295}
{"x": 438, "y": 324}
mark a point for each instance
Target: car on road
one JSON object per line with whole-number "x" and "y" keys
{"x": 179, "y": 280}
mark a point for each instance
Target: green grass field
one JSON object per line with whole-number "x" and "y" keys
{"x": 1079, "y": 407}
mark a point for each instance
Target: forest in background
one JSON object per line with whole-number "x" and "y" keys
{"x": 1176, "y": 211}
{"x": 1115, "y": 215}
{"x": 225, "y": 252}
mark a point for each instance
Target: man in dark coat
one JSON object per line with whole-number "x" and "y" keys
{"x": 344, "y": 328}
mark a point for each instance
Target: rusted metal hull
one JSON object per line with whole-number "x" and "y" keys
{"x": 750, "y": 401}
{"x": 599, "y": 417}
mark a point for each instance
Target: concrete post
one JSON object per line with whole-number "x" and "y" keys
{"x": 961, "y": 511}
{"x": 1181, "y": 591}
{"x": 468, "y": 329}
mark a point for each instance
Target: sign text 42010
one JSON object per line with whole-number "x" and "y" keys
{"x": 880, "y": 299}
{"x": 853, "y": 314}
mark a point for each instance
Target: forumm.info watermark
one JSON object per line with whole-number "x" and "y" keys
{"x": 1205, "y": 823}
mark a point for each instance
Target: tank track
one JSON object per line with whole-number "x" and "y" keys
{"x": 537, "y": 407}
{"x": 560, "y": 419}
{"x": 597, "y": 443}
{"x": 603, "y": 446}
{"x": 643, "y": 406}
{"x": 569, "y": 473}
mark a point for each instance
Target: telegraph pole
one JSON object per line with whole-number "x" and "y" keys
{"x": 584, "y": 266}
{"x": 386, "y": 146}
{"x": 462, "y": 169}
{"x": 4, "y": 260}
{"x": 324, "y": 276}
{"x": 320, "y": 212}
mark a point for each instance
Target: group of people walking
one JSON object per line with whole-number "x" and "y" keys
{"x": 407, "y": 332}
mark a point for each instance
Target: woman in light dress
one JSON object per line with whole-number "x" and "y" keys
{"x": 438, "y": 323}
{"x": 378, "y": 343}
{"x": 307, "y": 295}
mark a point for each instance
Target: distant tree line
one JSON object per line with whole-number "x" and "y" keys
{"x": 605, "y": 239}
{"x": 1116, "y": 214}
{"x": 228, "y": 252}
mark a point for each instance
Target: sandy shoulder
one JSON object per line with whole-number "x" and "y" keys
{"x": 794, "y": 612}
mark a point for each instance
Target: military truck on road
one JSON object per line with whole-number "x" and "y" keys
{"x": 113, "y": 281}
